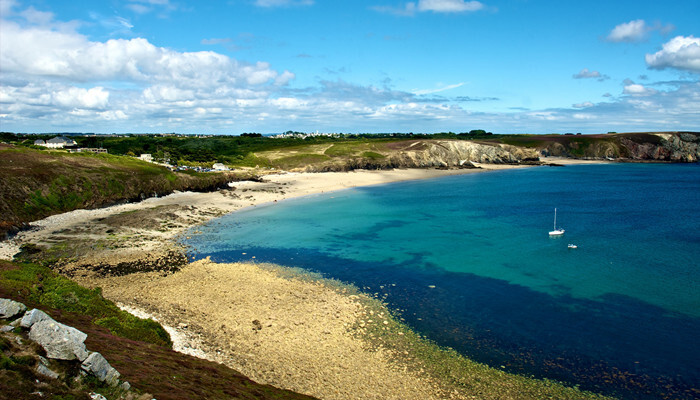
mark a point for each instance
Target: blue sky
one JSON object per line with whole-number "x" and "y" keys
{"x": 518, "y": 66}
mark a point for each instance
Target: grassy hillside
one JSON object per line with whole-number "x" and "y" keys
{"x": 139, "y": 349}
{"x": 38, "y": 183}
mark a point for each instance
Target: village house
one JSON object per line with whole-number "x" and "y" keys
{"x": 58, "y": 142}
{"x": 219, "y": 167}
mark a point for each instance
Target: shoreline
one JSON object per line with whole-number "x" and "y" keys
{"x": 314, "y": 336}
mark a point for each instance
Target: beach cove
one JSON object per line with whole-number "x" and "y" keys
{"x": 309, "y": 335}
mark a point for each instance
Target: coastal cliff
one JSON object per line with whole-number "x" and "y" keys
{"x": 428, "y": 154}
{"x": 451, "y": 153}
{"x": 662, "y": 146}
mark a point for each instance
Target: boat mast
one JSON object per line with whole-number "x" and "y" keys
{"x": 555, "y": 219}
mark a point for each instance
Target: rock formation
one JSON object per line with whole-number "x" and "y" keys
{"x": 61, "y": 342}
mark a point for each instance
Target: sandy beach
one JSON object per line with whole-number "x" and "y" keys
{"x": 308, "y": 335}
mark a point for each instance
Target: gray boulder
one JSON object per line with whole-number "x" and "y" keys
{"x": 33, "y": 316}
{"x": 98, "y": 366}
{"x": 10, "y": 308}
{"x": 60, "y": 341}
{"x": 45, "y": 371}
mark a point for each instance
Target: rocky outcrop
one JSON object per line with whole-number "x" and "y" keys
{"x": 98, "y": 366}
{"x": 436, "y": 154}
{"x": 662, "y": 146}
{"x": 674, "y": 147}
{"x": 10, "y": 308}
{"x": 60, "y": 342}
{"x": 453, "y": 153}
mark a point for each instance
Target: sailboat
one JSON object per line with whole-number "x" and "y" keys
{"x": 556, "y": 232}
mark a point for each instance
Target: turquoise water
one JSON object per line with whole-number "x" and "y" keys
{"x": 469, "y": 262}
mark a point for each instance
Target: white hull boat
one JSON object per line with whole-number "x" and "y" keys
{"x": 556, "y": 232}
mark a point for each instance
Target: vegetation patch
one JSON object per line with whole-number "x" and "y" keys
{"x": 35, "y": 184}
{"x": 43, "y": 288}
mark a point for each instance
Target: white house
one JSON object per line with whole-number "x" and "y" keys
{"x": 57, "y": 142}
{"x": 146, "y": 157}
{"x": 219, "y": 167}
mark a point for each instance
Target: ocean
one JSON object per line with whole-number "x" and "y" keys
{"x": 467, "y": 261}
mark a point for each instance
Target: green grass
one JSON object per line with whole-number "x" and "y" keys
{"x": 36, "y": 184}
{"x": 299, "y": 160}
{"x": 43, "y": 287}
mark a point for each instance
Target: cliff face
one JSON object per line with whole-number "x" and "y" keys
{"x": 434, "y": 154}
{"x": 448, "y": 153}
{"x": 676, "y": 147}
{"x": 666, "y": 146}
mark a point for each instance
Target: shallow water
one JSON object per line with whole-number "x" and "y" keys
{"x": 469, "y": 262}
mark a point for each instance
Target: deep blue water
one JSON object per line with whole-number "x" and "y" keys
{"x": 468, "y": 261}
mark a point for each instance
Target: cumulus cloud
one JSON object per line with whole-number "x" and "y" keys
{"x": 633, "y": 31}
{"x": 635, "y": 89}
{"x": 48, "y": 53}
{"x": 680, "y": 52}
{"x": 637, "y": 31}
{"x": 56, "y": 79}
{"x": 52, "y": 72}
{"x": 73, "y": 97}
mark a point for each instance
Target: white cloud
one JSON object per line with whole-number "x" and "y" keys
{"x": 436, "y": 6}
{"x": 283, "y": 3}
{"x": 633, "y": 31}
{"x": 449, "y": 6}
{"x": 442, "y": 89}
{"x": 6, "y": 7}
{"x": 56, "y": 79}
{"x": 147, "y": 6}
{"x": 587, "y": 74}
{"x": 680, "y": 52}
{"x": 94, "y": 98}
{"x": 635, "y": 89}
{"x": 47, "y": 53}
{"x": 637, "y": 31}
